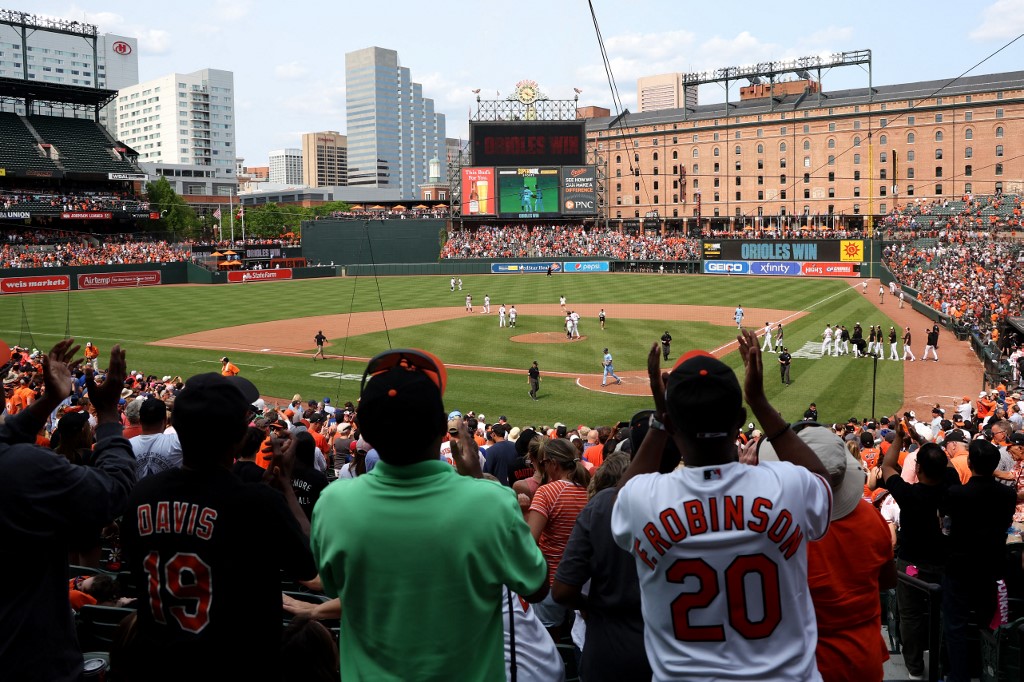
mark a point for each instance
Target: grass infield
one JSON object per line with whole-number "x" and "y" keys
{"x": 841, "y": 387}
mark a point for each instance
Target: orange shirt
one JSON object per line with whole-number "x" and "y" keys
{"x": 849, "y": 614}
{"x": 229, "y": 369}
{"x": 962, "y": 469}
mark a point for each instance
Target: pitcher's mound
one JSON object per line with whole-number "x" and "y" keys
{"x": 544, "y": 337}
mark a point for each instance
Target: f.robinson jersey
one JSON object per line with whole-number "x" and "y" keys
{"x": 721, "y": 553}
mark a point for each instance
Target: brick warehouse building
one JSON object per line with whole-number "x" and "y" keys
{"x": 839, "y": 153}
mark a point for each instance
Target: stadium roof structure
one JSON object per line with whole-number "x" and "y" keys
{"x": 55, "y": 93}
{"x": 1012, "y": 80}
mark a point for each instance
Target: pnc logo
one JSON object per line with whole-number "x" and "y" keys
{"x": 122, "y": 48}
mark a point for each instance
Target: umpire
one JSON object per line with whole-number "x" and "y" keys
{"x": 785, "y": 359}
{"x": 666, "y": 344}
{"x": 534, "y": 373}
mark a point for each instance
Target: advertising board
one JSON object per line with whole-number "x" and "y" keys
{"x": 111, "y": 280}
{"x": 478, "y": 191}
{"x": 528, "y": 192}
{"x": 579, "y": 190}
{"x": 240, "y": 276}
{"x": 522, "y": 268}
{"x": 32, "y": 285}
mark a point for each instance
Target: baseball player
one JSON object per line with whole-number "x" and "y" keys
{"x": 881, "y": 294}
{"x": 501, "y": 315}
{"x": 893, "y": 354}
{"x": 609, "y": 369}
{"x": 837, "y": 340}
{"x": 666, "y": 344}
{"x": 487, "y": 305}
{"x": 846, "y": 340}
{"x": 892, "y": 288}
{"x": 778, "y": 337}
{"x": 561, "y": 302}
{"x": 864, "y": 287}
{"x": 901, "y": 298}
{"x": 906, "y": 345}
{"x": 533, "y": 377}
{"x": 469, "y": 302}
{"x": 871, "y": 339}
{"x": 568, "y": 326}
{"x": 766, "y": 345}
{"x": 460, "y": 283}
{"x": 600, "y": 317}
{"x": 512, "y": 315}
{"x": 92, "y": 356}
{"x": 575, "y": 317}
{"x": 931, "y": 344}
{"x": 724, "y": 593}
{"x": 453, "y": 284}
{"x": 319, "y": 340}
{"x": 878, "y": 342}
{"x": 738, "y": 316}
{"x": 826, "y": 341}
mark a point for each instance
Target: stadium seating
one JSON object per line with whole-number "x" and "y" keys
{"x": 83, "y": 145}
{"x": 20, "y": 149}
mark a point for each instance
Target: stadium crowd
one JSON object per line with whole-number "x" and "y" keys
{"x": 547, "y": 241}
{"x": 24, "y": 199}
{"x": 83, "y": 253}
{"x": 350, "y": 510}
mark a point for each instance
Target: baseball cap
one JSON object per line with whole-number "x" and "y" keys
{"x": 703, "y": 396}
{"x": 955, "y": 436}
{"x": 967, "y": 398}
{"x": 523, "y": 441}
{"x": 453, "y": 414}
{"x": 1017, "y": 438}
{"x": 224, "y": 359}
{"x": 327, "y": 401}
{"x": 982, "y": 394}
{"x": 403, "y": 389}
{"x": 88, "y": 343}
{"x": 213, "y": 398}
{"x": 513, "y": 435}
{"x": 845, "y": 473}
{"x": 345, "y": 426}
{"x": 453, "y": 425}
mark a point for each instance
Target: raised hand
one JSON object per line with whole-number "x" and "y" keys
{"x": 750, "y": 351}
{"x": 57, "y": 367}
{"x": 105, "y": 396}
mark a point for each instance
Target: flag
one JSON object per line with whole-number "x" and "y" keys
{"x": 241, "y": 212}
{"x": 216, "y": 214}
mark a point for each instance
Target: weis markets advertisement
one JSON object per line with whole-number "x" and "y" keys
{"x": 33, "y": 285}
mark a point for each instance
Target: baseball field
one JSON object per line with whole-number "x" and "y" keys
{"x": 267, "y": 329}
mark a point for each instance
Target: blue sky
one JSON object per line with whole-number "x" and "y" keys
{"x": 289, "y": 57}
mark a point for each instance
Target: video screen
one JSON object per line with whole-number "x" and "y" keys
{"x": 528, "y": 192}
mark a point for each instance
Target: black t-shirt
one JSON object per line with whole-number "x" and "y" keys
{"x": 248, "y": 471}
{"x": 307, "y": 483}
{"x": 921, "y": 538}
{"x": 811, "y": 413}
{"x": 785, "y": 358}
{"x": 933, "y": 338}
{"x": 500, "y": 458}
{"x": 319, "y": 339}
{"x": 666, "y": 339}
{"x": 980, "y": 511}
{"x": 614, "y": 648}
{"x": 211, "y": 550}
{"x": 534, "y": 373}
{"x": 858, "y": 333}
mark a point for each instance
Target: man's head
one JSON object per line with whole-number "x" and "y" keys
{"x": 210, "y": 417}
{"x": 982, "y": 457}
{"x": 153, "y": 415}
{"x": 131, "y": 411}
{"x": 867, "y": 440}
{"x": 931, "y": 464}
{"x": 705, "y": 403}
{"x": 224, "y": 359}
{"x": 409, "y": 383}
{"x": 955, "y": 443}
{"x": 1001, "y": 431}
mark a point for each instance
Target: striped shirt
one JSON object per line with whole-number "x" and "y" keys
{"x": 561, "y": 502}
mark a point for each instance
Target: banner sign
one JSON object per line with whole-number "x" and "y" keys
{"x": 506, "y": 268}
{"x": 15, "y": 215}
{"x": 579, "y": 190}
{"x": 86, "y": 215}
{"x": 238, "y": 276}
{"x": 726, "y": 268}
{"x": 803, "y": 250}
{"x": 587, "y": 266}
{"x": 831, "y": 269}
{"x": 127, "y": 176}
{"x": 274, "y": 252}
{"x": 110, "y": 280}
{"x": 31, "y": 285}
{"x": 478, "y": 190}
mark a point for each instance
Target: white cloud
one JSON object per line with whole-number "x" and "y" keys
{"x": 231, "y": 10}
{"x": 290, "y": 70}
{"x": 151, "y": 40}
{"x": 1000, "y": 20}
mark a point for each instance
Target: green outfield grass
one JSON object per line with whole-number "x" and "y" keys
{"x": 842, "y": 387}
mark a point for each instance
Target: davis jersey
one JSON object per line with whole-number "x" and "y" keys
{"x": 721, "y": 553}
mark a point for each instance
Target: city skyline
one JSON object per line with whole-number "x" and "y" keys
{"x": 289, "y": 79}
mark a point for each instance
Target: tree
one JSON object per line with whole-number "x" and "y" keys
{"x": 175, "y": 214}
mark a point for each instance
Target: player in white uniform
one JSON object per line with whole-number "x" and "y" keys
{"x": 738, "y": 316}
{"x": 893, "y": 353}
{"x": 460, "y": 284}
{"x": 469, "y": 303}
{"x": 561, "y": 302}
{"x": 837, "y": 341}
{"x": 907, "y": 351}
{"x": 826, "y": 341}
{"x": 766, "y": 345}
{"x": 512, "y": 315}
{"x": 568, "y": 326}
{"x": 501, "y": 315}
{"x": 453, "y": 284}
{"x": 721, "y": 546}
{"x": 575, "y": 317}
{"x": 487, "y": 304}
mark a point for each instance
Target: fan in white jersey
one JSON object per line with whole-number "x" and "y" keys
{"x": 720, "y": 546}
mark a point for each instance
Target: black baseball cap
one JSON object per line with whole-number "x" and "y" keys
{"x": 703, "y": 396}
{"x": 1017, "y": 438}
{"x": 955, "y": 436}
{"x": 212, "y": 398}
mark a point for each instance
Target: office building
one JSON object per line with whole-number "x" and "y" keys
{"x": 664, "y": 92}
{"x": 182, "y": 118}
{"x": 393, "y": 131}
{"x": 805, "y": 153}
{"x": 286, "y": 167}
{"x": 61, "y": 51}
{"x": 324, "y": 159}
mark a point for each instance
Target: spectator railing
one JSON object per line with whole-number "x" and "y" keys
{"x": 934, "y": 593}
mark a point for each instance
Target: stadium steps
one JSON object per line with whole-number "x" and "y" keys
{"x": 19, "y": 148}
{"x": 83, "y": 145}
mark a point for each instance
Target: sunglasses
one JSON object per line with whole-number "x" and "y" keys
{"x": 410, "y": 359}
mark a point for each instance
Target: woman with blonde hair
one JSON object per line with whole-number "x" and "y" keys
{"x": 552, "y": 516}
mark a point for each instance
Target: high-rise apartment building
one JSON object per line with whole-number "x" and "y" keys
{"x": 324, "y": 159}
{"x": 61, "y": 51}
{"x": 664, "y": 92}
{"x": 286, "y": 167}
{"x": 182, "y": 118}
{"x": 393, "y": 131}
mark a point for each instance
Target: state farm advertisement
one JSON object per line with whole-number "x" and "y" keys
{"x": 109, "y": 280}
{"x": 32, "y": 285}
{"x": 86, "y": 215}
{"x": 237, "y": 277}
{"x": 830, "y": 269}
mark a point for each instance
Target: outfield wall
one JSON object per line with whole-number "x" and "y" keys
{"x": 349, "y": 242}
{"x": 41, "y": 280}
